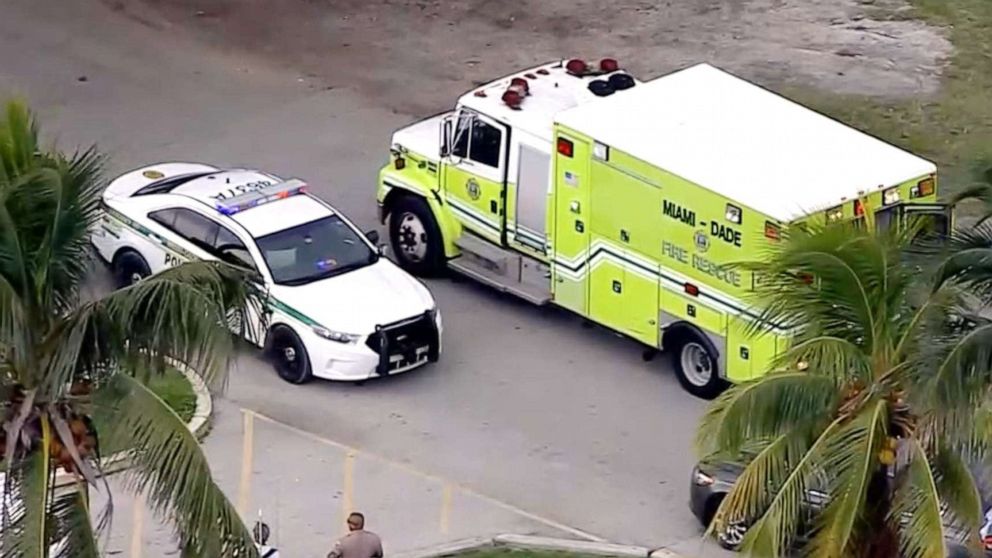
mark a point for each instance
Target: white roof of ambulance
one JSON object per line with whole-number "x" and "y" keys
{"x": 744, "y": 142}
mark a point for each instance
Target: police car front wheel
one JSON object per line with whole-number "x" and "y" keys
{"x": 129, "y": 268}
{"x": 288, "y": 356}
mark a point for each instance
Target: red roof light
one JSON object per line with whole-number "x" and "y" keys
{"x": 576, "y": 67}
{"x": 609, "y": 65}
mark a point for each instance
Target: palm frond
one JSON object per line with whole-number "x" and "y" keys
{"x": 851, "y": 457}
{"x": 962, "y": 375}
{"x": 18, "y": 141}
{"x": 765, "y": 408}
{"x": 834, "y": 357}
{"x": 169, "y": 467}
{"x": 915, "y": 512}
{"x": 958, "y": 490}
{"x": 64, "y": 251}
{"x": 181, "y": 313}
{"x": 752, "y": 492}
{"x": 74, "y": 536}
{"x": 853, "y": 289}
{"x": 968, "y": 259}
{"x": 27, "y": 490}
{"x": 771, "y": 534}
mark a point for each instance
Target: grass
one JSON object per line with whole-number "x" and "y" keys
{"x": 954, "y": 128}
{"x": 177, "y": 393}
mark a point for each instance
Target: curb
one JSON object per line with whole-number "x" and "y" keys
{"x": 546, "y": 544}
{"x": 199, "y": 425}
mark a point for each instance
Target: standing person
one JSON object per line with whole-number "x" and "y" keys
{"x": 358, "y": 543}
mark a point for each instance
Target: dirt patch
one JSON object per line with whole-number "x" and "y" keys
{"x": 416, "y": 55}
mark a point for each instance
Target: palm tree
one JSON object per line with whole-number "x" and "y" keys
{"x": 65, "y": 361}
{"x": 881, "y": 401}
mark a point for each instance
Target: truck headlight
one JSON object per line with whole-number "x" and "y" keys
{"x": 338, "y": 336}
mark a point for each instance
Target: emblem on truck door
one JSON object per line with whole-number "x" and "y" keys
{"x": 472, "y": 187}
{"x": 702, "y": 241}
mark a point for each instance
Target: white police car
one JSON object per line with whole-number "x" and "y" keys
{"x": 336, "y": 308}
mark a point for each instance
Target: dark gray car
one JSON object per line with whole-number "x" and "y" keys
{"x": 710, "y": 483}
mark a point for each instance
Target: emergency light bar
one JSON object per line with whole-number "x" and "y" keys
{"x": 263, "y": 195}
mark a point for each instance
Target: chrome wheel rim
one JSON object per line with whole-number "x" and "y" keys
{"x": 696, "y": 364}
{"x": 412, "y": 238}
{"x": 732, "y": 535}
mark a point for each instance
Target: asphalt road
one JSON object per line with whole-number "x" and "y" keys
{"x": 526, "y": 404}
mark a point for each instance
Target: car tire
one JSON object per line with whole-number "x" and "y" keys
{"x": 696, "y": 365}
{"x": 731, "y": 536}
{"x": 128, "y": 268}
{"x": 288, "y": 356}
{"x": 415, "y": 237}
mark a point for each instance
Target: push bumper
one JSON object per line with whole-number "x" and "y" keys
{"x": 393, "y": 349}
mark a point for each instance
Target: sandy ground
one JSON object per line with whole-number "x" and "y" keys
{"x": 414, "y": 56}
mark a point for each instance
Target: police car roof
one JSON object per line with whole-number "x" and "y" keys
{"x": 280, "y": 215}
{"x": 263, "y": 219}
{"x": 744, "y": 142}
{"x": 552, "y": 90}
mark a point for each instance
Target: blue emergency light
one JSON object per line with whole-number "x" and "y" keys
{"x": 263, "y": 195}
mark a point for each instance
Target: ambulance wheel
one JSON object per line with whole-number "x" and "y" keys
{"x": 128, "y": 268}
{"x": 415, "y": 237}
{"x": 288, "y": 355}
{"x": 695, "y": 363}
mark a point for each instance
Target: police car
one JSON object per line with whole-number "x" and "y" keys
{"x": 336, "y": 308}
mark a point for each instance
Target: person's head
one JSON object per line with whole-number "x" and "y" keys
{"x": 356, "y": 521}
{"x": 261, "y": 532}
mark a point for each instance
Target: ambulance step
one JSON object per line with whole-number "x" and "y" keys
{"x": 470, "y": 268}
{"x": 485, "y": 256}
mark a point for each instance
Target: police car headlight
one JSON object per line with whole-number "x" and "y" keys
{"x": 338, "y": 336}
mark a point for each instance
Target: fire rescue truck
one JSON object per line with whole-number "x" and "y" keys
{"x": 576, "y": 184}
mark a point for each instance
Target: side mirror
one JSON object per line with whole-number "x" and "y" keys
{"x": 373, "y": 237}
{"x": 446, "y": 130}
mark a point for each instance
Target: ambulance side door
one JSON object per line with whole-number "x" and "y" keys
{"x": 474, "y": 174}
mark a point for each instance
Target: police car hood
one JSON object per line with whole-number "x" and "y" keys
{"x": 357, "y": 301}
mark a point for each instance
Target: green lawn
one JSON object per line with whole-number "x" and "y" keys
{"x": 175, "y": 390}
{"x": 954, "y": 129}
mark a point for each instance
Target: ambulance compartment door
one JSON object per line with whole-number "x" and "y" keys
{"x": 626, "y": 246}
{"x": 474, "y": 174}
{"x": 570, "y": 245}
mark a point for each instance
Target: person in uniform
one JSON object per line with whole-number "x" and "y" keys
{"x": 358, "y": 543}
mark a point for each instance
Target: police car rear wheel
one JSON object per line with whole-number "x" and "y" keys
{"x": 696, "y": 367}
{"x": 416, "y": 237}
{"x": 129, "y": 268}
{"x": 289, "y": 356}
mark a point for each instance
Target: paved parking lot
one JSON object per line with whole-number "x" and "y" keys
{"x": 527, "y": 406}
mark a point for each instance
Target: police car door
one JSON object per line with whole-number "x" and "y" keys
{"x": 475, "y": 174}
{"x": 193, "y": 235}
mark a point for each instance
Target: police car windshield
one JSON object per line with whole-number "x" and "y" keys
{"x": 314, "y": 251}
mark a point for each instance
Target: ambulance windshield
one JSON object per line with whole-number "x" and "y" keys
{"x": 315, "y": 250}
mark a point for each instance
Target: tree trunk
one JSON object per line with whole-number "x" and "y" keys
{"x": 877, "y": 538}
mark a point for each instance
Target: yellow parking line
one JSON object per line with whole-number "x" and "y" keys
{"x": 247, "y": 457}
{"x": 445, "y": 508}
{"x": 403, "y": 466}
{"x": 137, "y": 526}
{"x": 348, "y": 492}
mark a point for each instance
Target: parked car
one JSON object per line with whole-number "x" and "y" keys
{"x": 711, "y": 482}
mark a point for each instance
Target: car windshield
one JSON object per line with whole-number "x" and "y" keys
{"x": 314, "y": 251}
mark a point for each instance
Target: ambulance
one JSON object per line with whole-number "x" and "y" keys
{"x": 576, "y": 184}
